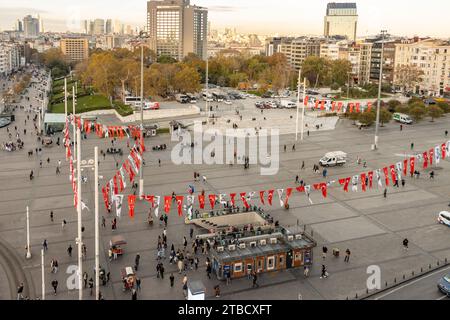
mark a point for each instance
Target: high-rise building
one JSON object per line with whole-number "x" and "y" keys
{"x": 177, "y": 28}
{"x": 10, "y": 58}
{"x": 430, "y": 56}
{"x": 31, "y": 26}
{"x": 75, "y": 49}
{"x": 273, "y": 45}
{"x": 19, "y": 26}
{"x": 108, "y": 26}
{"x": 341, "y": 20}
{"x": 99, "y": 27}
{"x": 118, "y": 27}
{"x": 388, "y": 61}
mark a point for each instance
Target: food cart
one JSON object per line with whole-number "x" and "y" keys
{"x": 128, "y": 278}
{"x": 115, "y": 243}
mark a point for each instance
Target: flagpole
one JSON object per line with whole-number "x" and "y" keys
{"x": 42, "y": 274}
{"x": 298, "y": 103}
{"x": 80, "y": 236}
{"x": 303, "y": 109}
{"x": 97, "y": 245}
{"x": 74, "y": 124}
{"x": 65, "y": 97}
{"x": 28, "y": 235}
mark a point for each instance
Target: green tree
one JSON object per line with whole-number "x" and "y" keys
{"x": 417, "y": 112}
{"x": 435, "y": 112}
{"x": 339, "y": 71}
{"x": 166, "y": 59}
{"x": 385, "y": 116}
{"x": 316, "y": 70}
{"x": 402, "y": 108}
{"x": 407, "y": 77}
{"x": 444, "y": 106}
{"x": 186, "y": 80}
{"x": 392, "y": 104}
{"x": 237, "y": 78}
{"x": 367, "y": 118}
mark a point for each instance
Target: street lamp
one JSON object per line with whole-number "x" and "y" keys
{"x": 377, "y": 124}
{"x": 143, "y": 35}
{"x": 93, "y": 164}
{"x": 28, "y": 235}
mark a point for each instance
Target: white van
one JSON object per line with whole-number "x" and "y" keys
{"x": 402, "y": 118}
{"x": 331, "y": 159}
{"x": 288, "y": 104}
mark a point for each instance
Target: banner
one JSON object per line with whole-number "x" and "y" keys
{"x": 180, "y": 200}
{"x": 131, "y": 203}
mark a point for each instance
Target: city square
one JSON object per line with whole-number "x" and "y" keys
{"x": 224, "y": 231}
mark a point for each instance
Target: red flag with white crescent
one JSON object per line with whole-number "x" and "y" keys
{"x": 270, "y": 196}
{"x": 261, "y": 196}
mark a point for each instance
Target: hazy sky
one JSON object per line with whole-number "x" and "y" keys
{"x": 399, "y": 17}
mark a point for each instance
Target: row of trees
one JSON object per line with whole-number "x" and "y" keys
{"x": 414, "y": 108}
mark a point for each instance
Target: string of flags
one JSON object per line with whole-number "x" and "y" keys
{"x": 384, "y": 177}
{"x": 104, "y": 131}
{"x": 337, "y": 106}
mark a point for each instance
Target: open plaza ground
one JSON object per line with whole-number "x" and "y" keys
{"x": 371, "y": 226}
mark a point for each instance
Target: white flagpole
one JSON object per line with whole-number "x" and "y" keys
{"x": 28, "y": 235}
{"x": 80, "y": 235}
{"x": 42, "y": 274}
{"x": 298, "y": 103}
{"x": 303, "y": 109}
{"x": 97, "y": 235}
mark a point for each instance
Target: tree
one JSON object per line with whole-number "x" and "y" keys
{"x": 385, "y": 116}
{"x": 417, "y": 112}
{"x": 407, "y": 76}
{"x": 166, "y": 59}
{"x": 354, "y": 116}
{"x": 186, "y": 80}
{"x": 316, "y": 70}
{"x": 237, "y": 78}
{"x": 435, "y": 112}
{"x": 339, "y": 71}
{"x": 55, "y": 61}
{"x": 392, "y": 104}
{"x": 403, "y": 108}
{"x": 415, "y": 100}
{"x": 367, "y": 118}
{"x": 444, "y": 106}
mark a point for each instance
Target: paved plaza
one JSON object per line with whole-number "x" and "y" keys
{"x": 371, "y": 226}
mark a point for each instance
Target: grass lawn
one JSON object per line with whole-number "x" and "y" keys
{"x": 84, "y": 104}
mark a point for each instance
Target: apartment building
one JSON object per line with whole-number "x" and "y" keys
{"x": 10, "y": 58}
{"x": 75, "y": 49}
{"x": 298, "y": 49}
{"x": 432, "y": 57}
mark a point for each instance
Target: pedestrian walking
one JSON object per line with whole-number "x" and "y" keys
{"x": 324, "y": 252}
{"x": 324, "y": 273}
{"x": 403, "y": 183}
{"x": 91, "y": 286}
{"x": 255, "y": 280}
{"x": 446, "y": 133}
{"x": 412, "y": 145}
{"x": 185, "y": 286}
{"x": 191, "y": 232}
{"x": 161, "y": 270}
{"x": 293, "y": 147}
{"x": 136, "y": 261}
{"x": 138, "y": 284}
{"x": 347, "y": 255}
{"x": 85, "y": 279}
{"x": 401, "y": 128}
{"x": 63, "y": 224}
{"x": 20, "y": 291}
{"x": 217, "y": 288}
{"x": 306, "y": 271}
{"x": 296, "y": 179}
{"x": 432, "y": 175}
{"x": 385, "y": 193}
{"x": 55, "y": 286}
{"x": 69, "y": 250}
{"x": 103, "y": 222}
{"x": 303, "y": 165}
{"x": 133, "y": 294}
{"x": 51, "y": 216}
{"x": 405, "y": 244}
{"x": 45, "y": 245}
{"x": 172, "y": 279}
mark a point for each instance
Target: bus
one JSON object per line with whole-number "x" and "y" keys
{"x": 132, "y": 101}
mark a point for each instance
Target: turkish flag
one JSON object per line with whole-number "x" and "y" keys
{"x": 431, "y": 156}
{"x": 425, "y": 160}
{"x": 300, "y": 189}
{"x": 305, "y": 101}
{"x": 443, "y": 150}
{"x": 357, "y": 107}
{"x": 105, "y": 197}
{"x": 121, "y": 185}
{"x": 167, "y": 203}
{"x": 339, "y": 106}
{"x": 201, "y": 200}
{"x": 317, "y": 104}
{"x": 131, "y": 202}
{"x": 321, "y": 186}
{"x": 345, "y": 182}
{"x": 261, "y": 196}
{"x": 288, "y": 194}
{"x": 393, "y": 173}
{"x": 244, "y": 200}
{"x": 369, "y": 106}
{"x": 212, "y": 200}
{"x": 232, "y": 196}
{"x": 412, "y": 162}
{"x": 386, "y": 175}
{"x": 270, "y": 196}
{"x": 116, "y": 189}
{"x": 180, "y": 205}
{"x": 370, "y": 175}
{"x": 405, "y": 167}
{"x": 333, "y": 106}
{"x": 350, "y": 105}
{"x": 363, "y": 182}
{"x": 322, "y": 105}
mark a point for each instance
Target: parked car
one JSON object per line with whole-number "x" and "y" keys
{"x": 331, "y": 159}
{"x": 444, "y": 218}
{"x": 402, "y": 118}
{"x": 444, "y": 285}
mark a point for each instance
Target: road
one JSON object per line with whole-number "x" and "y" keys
{"x": 422, "y": 288}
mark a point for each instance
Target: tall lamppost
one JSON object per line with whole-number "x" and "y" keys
{"x": 143, "y": 35}
{"x": 377, "y": 123}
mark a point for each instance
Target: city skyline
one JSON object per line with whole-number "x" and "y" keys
{"x": 250, "y": 17}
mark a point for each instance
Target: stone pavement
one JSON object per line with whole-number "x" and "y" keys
{"x": 369, "y": 225}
